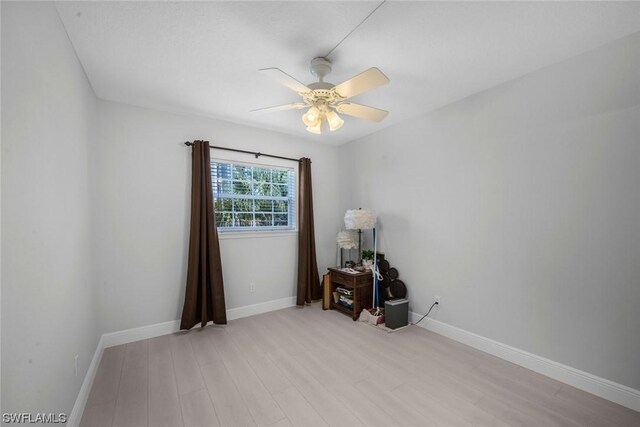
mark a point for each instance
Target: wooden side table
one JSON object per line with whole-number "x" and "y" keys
{"x": 360, "y": 283}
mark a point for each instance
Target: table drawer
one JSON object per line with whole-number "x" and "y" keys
{"x": 342, "y": 279}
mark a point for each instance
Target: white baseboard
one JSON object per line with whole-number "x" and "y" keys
{"x": 151, "y": 331}
{"x": 263, "y": 307}
{"x": 78, "y": 408}
{"x": 141, "y": 333}
{"x": 618, "y": 393}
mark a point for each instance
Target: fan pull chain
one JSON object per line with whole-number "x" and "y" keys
{"x": 357, "y": 26}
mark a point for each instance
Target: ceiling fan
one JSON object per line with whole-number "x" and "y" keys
{"x": 325, "y": 100}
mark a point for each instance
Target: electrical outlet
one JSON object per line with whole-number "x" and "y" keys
{"x": 252, "y": 288}
{"x": 436, "y": 299}
{"x": 75, "y": 364}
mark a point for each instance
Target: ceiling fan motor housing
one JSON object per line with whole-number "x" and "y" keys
{"x": 321, "y": 96}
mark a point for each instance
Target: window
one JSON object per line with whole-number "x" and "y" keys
{"x": 253, "y": 197}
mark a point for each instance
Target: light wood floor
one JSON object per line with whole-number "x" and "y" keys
{"x": 308, "y": 367}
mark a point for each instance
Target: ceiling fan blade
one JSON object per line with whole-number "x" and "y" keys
{"x": 285, "y": 79}
{"x": 292, "y": 106}
{"x": 365, "y": 81}
{"x": 362, "y": 111}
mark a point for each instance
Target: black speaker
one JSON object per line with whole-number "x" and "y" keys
{"x": 396, "y": 313}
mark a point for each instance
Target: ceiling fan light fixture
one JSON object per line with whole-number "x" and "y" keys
{"x": 317, "y": 128}
{"x": 324, "y": 101}
{"x": 312, "y": 117}
{"x": 335, "y": 122}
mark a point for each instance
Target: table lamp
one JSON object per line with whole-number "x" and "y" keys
{"x": 346, "y": 240}
{"x": 359, "y": 219}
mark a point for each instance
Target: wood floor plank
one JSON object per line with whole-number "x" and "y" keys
{"x": 197, "y": 410}
{"x": 133, "y": 391}
{"x": 272, "y": 377}
{"x": 320, "y": 364}
{"x": 185, "y": 366}
{"x": 130, "y": 414}
{"x": 354, "y": 369}
{"x": 363, "y": 408}
{"x": 269, "y": 327}
{"x": 262, "y": 407}
{"x": 164, "y": 404}
{"x": 517, "y": 399}
{"x": 98, "y": 415}
{"x": 434, "y": 393}
{"x": 265, "y": 338}
{"x": 523, "y": 409}
{"x": 316, "y": 394}
{"x": 370, "y": 343}
{"x": 358, "y": 362}
{"x": 107, "y": 379}
{"x": 227, "y": 401}
{"x": 591, "y": 411}
{"x": 446, "y": 347}
{"x": 254, "y": 347}
{"x": 544, "y": 392}
{"x": 506, "y": 413}
{"x": 401, "y": 412}
{"x": 430, "y": 408}
{"x": 539, "y": 392}
{"x": 282, "y": 423}
{"x": 457, "y": 386}
{"x": 251, "y": 343}
{"x": 298, "y": 410}
{"x": 203, "y": 347}
{"x": 136, "y": 355}
{"x": 421, "y": 348}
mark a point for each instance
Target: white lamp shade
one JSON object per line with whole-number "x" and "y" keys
{"x": 335, "y": 122}
{"x": 312, "y": 117}
{"x": 317, "y": 128}
{"x": 359, "y": 219}
{"x": 347, "y": 240}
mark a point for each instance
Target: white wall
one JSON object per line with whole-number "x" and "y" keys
{"x": 47, "y": 305}
{"x": 142, "y": 175}
{"x": 520, "y": 207}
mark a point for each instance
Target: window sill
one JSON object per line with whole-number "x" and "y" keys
{"x": 224, "y": 235}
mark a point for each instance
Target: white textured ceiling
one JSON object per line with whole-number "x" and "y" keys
{"x": 202, "y": 57}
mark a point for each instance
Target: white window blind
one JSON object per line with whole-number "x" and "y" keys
{"x": 253, "y": 197}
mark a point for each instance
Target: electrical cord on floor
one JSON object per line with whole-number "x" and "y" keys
{"x": 430, "y": 308}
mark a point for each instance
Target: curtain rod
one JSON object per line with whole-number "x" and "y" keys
{"x": 257, "y": 154}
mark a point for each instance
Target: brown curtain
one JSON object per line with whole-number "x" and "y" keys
{"x": 308, "y": 279}
{"x": 204, "y": 295}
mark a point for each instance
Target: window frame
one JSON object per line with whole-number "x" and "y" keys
{"x": 244, "y": 159}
